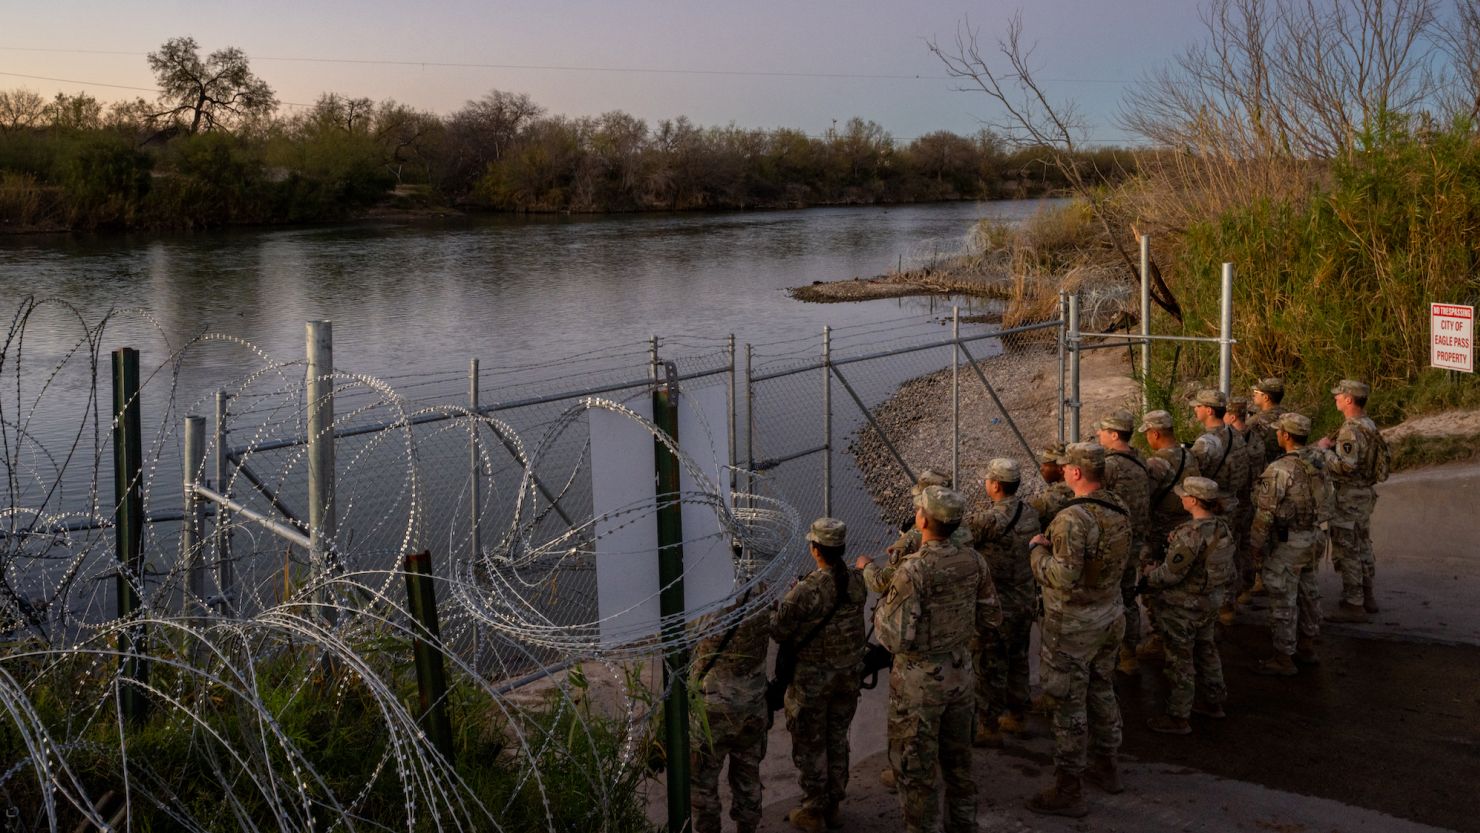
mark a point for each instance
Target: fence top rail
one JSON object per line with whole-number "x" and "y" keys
{"x": 1138, "y": 337}
{"x": 899, "y": 351}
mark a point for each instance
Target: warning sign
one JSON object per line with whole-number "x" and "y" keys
{"x": 1452, "y": 337}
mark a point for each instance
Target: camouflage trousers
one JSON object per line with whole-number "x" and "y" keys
{"x": 931, "y": 704}
{"x": 1076, "y": 667}
{"x": 1193, "y": 663}
{"x": 1289, "y": 574}
{"x": 1241, "y": 520}
{"x": 819, "y": 709}
{"x": 1351, "y": 541}
{"x": 1129, "y": 597}
{"x": 1002, "y": 668}
{"x": 739, "y": 738}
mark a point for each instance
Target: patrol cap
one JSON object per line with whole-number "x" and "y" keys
{"x": 1351, "y": 387}
{"x": 1210, "y": 397}
{"x": 1201, "y": 488}
{"x": 941, "y": 504}
{"x": 1294, "y": 424}
{"x": 1087, "y": 455}
{"x": 930, "y": 477}
{"x": 1273, "y": 384}
{"x": 1003, "y": 470}
{"x": 1160, "y": 420}
{"x": 1238, "y": 405}
{"x": 1118, "y": 421}
{"x": 1052, "y": 454}
{"x": 828, "y": 532}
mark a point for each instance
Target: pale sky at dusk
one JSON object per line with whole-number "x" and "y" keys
{"x": 1091, "y": 50}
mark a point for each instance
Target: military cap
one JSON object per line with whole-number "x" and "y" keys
{"x": 1238, "y": 405}
{"x": 828, "y": 532}
{"x": 1088, "y": 455}
{"x": 1351, "y": 387}
{"x": 1294, "y": 424}
{"x": 1201, "y": 488}
{"x": 1273, "y": 384}
{"x": 1003, "y": 470}
{"x": 941, "y": 504}
{"x": 1210, "y": 397}
{"x": 1052, "y": 454}
{"x": 1156, "y": 420}
{"x": 1118, "y": 421}
{"x": 930, "y": 477}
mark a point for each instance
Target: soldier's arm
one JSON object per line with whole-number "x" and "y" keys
{"x": 1267, "y": 495}
{"x": 907, "y": 542}
{"x": 988, "y": 608}
{"x": 877, "y": 578}
{"x": 984, "y": 526}
{"x": 1061, "y": 564}
{"x": 797, "y": 608}
{"x": 1345, "y": 458}
{"x": 1182, "y": 548}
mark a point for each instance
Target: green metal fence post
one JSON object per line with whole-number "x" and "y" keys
{"x": 128, "y": 528}
{"x": 431, "y": 676}
{"x": 671, "y": 604}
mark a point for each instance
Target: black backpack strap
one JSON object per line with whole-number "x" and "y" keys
{"x": 1015, "y": 516}
{"x": 723, "y": 643}
{"x": 1131, "y": 458}
{"x": 1080, "y": 501}
{"x": 1181, "y": 467}
{"x": 1227, "y": 447}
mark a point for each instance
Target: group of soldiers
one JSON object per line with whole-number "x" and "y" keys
{"x": 1188, "y": 532}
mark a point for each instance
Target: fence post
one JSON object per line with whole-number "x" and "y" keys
{"x": 1225, "y": 332}
{"x": 475, "y": 467}
{"x": 1145, "y": 322}
{"x": 1063, "y": 330}
{"x": 222, "y": 527}
{"x": 322, "y": 514}
{"x": 671, "y": 604}
{"x": 431, "y": 676}
{"x": 730, "y": 413}
{"x": 956, "y": 396}
{"x": 749, "y": 421}
{"x": 192, "y": 559}
{"x": 1074, "y": 336}
{"x": 827, "y": 444}
{"x": 128, "y": 529}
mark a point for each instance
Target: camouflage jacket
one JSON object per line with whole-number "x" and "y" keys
{"x": 1080, "y": 573}
{"x": 1001, "y": 533}
{"x": 840, "y": 643}
{"x": 1221, "y": 456}
{"x": 1354, "y": 455}
{"x": 1254, "y": 453}
{"x": 736, "y": 681}
{"x": 1128, "y": 477}
{"x": 1287, "y": 501}
{"x": 1262, "y": 424}
{"x": 1169, "y": 467}
{"x": 1198, "y": 564}
{"x": 938, "y": 600}
{"x": 877, "y": 578}
{"x": 1049, "y": 501}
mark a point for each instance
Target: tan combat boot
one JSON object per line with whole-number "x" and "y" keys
{"x": 1225, "y": 614}
{"x": 806, "y": 820}
{"x": 987, "y": 734}
{"x": 1369, "y": 598}
{"x": 1064, "y": 798}
{"x": 1349, "y": 614}
{"x": 1206, "y": 709}
{"x": 1104, "y": 772}
{"x": 887, "y": 779}
{"x": 1278, "y": 665}
{"x": 1168, "y": 725}
{"x": 1013, "y": 723}
{"x": 1305, "y": 651}
{"x": 1152, "y": 648}
{"x": 1128, "y": 664}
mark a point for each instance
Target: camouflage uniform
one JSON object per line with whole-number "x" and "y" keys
{"x": 1186, "y": 590}
{"x": 877, "y": 578}
{"x": 1243, "y": 514}
{"x": 938, "y": 599}
{"x": 1049, "y": 501}
{"x": 1128, "y": 477}
{"x": 823, "y": 694}
{"x": 1083, "y": 623}
{"x": 1001, "y": 534}
{"x": 1222, "y": 457}
{"x": 730, "y": 723}
{"x": 1170, "y": 467}
{"x": 1261, "y": 424}
{"x": 1287, "y": 503}
{"x": 1353, "y": 466}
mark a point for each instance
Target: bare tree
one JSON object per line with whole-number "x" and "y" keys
{"x": 209, "y": 93}
{"x": 20, "y": 109}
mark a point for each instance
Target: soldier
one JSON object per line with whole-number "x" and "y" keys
{"x": 1170, "y": 466}
{"x": 1286, "y": 541}
{"x": 1267, "y": 394}
{"x": 1220, "y": 450}
{"x": 909, "y": 537}
{"x": 938, "y": 599}
{"x": 1079, "y": 563}
{"x": 1241, "y": 586}
{"x": 1127, "y": 476}
{"x": 1001, "y": 534}
{"x": 1358, "y": 459}
{"x": 1050, "y": 500}
{"x": 822, "y": 619}
{"x": 1186, "y": 590}
{"x": 729, "y": 679}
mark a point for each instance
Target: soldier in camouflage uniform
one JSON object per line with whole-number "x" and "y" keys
{"x": 1242, "y": 582}
{"x": 1079, "y": 563}
{"x": 730, "y": 721}
{"x": 938, "y": 599}
{"x": 1266, "y": 396}
{"x": 1001, "y": 534}
{"x": 1287, "y": 541}
{"x": 1128, "y": 477}
{"x": 1057, "y": 493}
{"x": 1357, "y": 461}
{"x": 909, "y": 538}
{"x": 1220, "y": 450}
{"x": 1186, "y": 590}
{"x": 823, "y": 616}
{"x": 1169, "y": 466}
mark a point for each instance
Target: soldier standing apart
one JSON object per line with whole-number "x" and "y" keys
{"x": 1241, "y": 585}
{"x": 1266, "y": 397}
{"x": 1358, "y": 460}
{"x": 823, "y": 617}
{"x": 1170, "y": 466}
{"x": 1050, "y": 500}
{"x": 1128, "y": 477}
{"x": 729, "y": 678}
{"x": 1186, "y": 590}
{"x": 1286, "y": 541}
{"x": 938, "y": 600}
{"x": 1079, "y": 563}
{"x": 1001, "y": 534}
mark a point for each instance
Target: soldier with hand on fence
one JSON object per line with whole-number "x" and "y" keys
{"x": 877, "y": 578}
{"x": 1359, "y": 459}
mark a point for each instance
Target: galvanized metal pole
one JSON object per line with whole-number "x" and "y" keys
{"x": 128, "y": 530}
{"x": 1145, "y": 321}
{"x": 1063, "y": 330}
{"x": 956, "y": 396}
{"x": 1225, "y": 332}
{"x": 827, "y": 421}
{"x": 431, "y": 674}
{"x": 192, "y": 560}
{"x": 322, "y": 512}
{"x": 475, "y": 467}
{"x": 222, "y": 528}
{"x": 749, "y": 420}
{"x": 671, "y": 605}
{"x": 1074, "y": 337}
{"x": 730, "y": 411}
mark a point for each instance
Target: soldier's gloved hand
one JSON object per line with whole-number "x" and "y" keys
{"x": 863, "y": 561}
{"x": 1040, "y": 540}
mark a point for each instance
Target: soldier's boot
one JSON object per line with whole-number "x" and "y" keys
{"x": 1153, "y": 648}
{"x": 1305, "y": 650}
{"x": 1278, "y": 665}
{"x": 1013, "y": 723}
{"x": 1206, "y": 709}
{"x": 1168, "y": 725}
{"x": 1245, "y": 597}
{"x": 987, "y": 734}
{"x": 1128, "y": 663}
{"x": 1064, "y": 798}
{"x": 887, "y": 779}
{"x": 1104, "y": 772}
{"x": 1225, "y": 614}
{"x": 1042, "y": 704}
{"x": 1350, "y": 614}
{"x": 806, "y": 820}
{"x": 1369, "y": 598}
{"x": 1258, "y": 588}
{"x": 833, "y": 816}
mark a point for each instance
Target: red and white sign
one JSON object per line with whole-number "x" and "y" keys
{"x": 1452, "y": 337}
